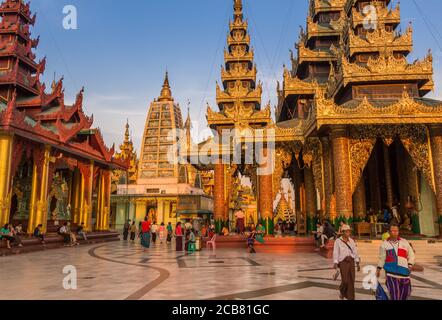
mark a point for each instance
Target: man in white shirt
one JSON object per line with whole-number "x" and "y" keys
{"x": 345, "y": 255}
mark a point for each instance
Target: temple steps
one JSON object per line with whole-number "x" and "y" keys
{"x": 54, "y": 241}
{"x": 271, "y": 244}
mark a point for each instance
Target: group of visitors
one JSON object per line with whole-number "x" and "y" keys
{"x": 150, "y": 233}
{"x": 396, "y": 257}
{"x": 147, "y": 228}
{"x": 70, "y": 237}
{"x": 14, "y": 235}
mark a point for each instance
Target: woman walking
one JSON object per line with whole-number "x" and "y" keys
{"x": 154, "y": 231}
{"x": 179, "y": 237}
{"x": 133, "y": 232}
{"x": 169, "y": 233}
{"x": 162, "y": 233}
{"x": 145, "y": 234}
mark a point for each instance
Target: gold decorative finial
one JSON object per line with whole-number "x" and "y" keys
{"x": 166, "y": 93}
{"x": 127, "y": 134}
{"x": 237, "y": 6}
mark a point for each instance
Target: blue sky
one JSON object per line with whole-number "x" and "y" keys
{"x": 122, "y": 48}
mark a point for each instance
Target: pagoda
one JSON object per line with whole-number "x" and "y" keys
{"x": 52, "y": 162}
{"x": 162, "y": 187}
{"x": 372, "y": 138}
{"x": 239, "y": 104}
{"x": 129, "y": 154}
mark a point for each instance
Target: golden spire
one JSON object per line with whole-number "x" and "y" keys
{"x": 127, "y": 134}
{"x": 166, "y": 93}
{"x": 237, "y": 6}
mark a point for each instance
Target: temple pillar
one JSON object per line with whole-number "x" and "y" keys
{"x": 402, "y": 174}
{"x": 76, "y": 191}
{"x": 388, "y": 178}
{"x": 359, "y": 201}
{"x": 265, "y": 177}
{"x": 297, "y": 178}
{"x": 310, "y": 199}
{"x": 436, "y": 151}
{"x": 375, "y": 186}
{"x": 219, "y": 196}
{"x": 33, "y": 201}
{"x": 104, "y": 190}
{"x": 6, "y": 149}
{"x": 86, "y": 187}
{"x": 140, "y": 210}
{"x": 342, "y": 174}
{"x": 39, "y": 191}
{"x": 328, "y": 176}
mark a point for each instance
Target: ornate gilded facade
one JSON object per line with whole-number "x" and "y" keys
{"x": 362, "y": 105}
{"x": 354, "y": 131}
{"x": 53, "y": 163}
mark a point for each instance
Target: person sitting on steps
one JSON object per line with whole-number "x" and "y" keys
{"x": 39, "y": 234}
{"x": 328, "y": 234}
{"x": 81, "y": 232}
{"x": 6, "y": 235}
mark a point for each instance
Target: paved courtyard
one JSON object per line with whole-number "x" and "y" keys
{"x": 118, "y": 271}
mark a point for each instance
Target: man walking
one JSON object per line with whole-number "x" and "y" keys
{"x": 345, "y": 255}
{"x": 126, "y": 230}
{"x": 397, "y": 258}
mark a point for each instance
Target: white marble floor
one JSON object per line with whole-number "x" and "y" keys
{"x": 117, "y": 271}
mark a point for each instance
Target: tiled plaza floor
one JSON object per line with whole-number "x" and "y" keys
{"x": 121, "y": 270}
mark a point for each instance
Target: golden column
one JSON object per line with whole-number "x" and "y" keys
{"x": 401, "y": 157}
{"x": 328, "y": 176}
{"x": 310, "y": 198}
{"x": 6, "y": 146}
{"x": 342, "y": 174}
{"x": 87, "y": 181}
{"x": 436, "y": 151}
{"x": 375, "y": 186}
{"x": 39, "y": 192}
{"x": 76, "y": 194}
{"x": 265, "y": 177}
{"x": 219, "y": 198}
{"x": 388, "y": 179}
{"x": 359, "y": 200}
{"x": 104, "y": 190}
{"x": 34, "y": 195}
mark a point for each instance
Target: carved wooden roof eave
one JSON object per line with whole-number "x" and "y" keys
{"x": 76, "y": 149}
{"x": 319, "y": 6}
{"x": 405, "y": 111}
{"x": 295, "y": 86}
{"x": 383, "y": 69}
{"x": 384, "y": 16}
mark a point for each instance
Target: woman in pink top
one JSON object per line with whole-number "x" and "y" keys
{"x": 162, "y": 232}
{"x": 179, "y": 237}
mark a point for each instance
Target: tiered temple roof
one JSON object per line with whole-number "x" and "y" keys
{"x": 361, "y": 62}
{"x": 164, "y": 118}
{"x": 129, "y": 154}
{"x": 239, "y": 98}
{"x": 26, "y": 108}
